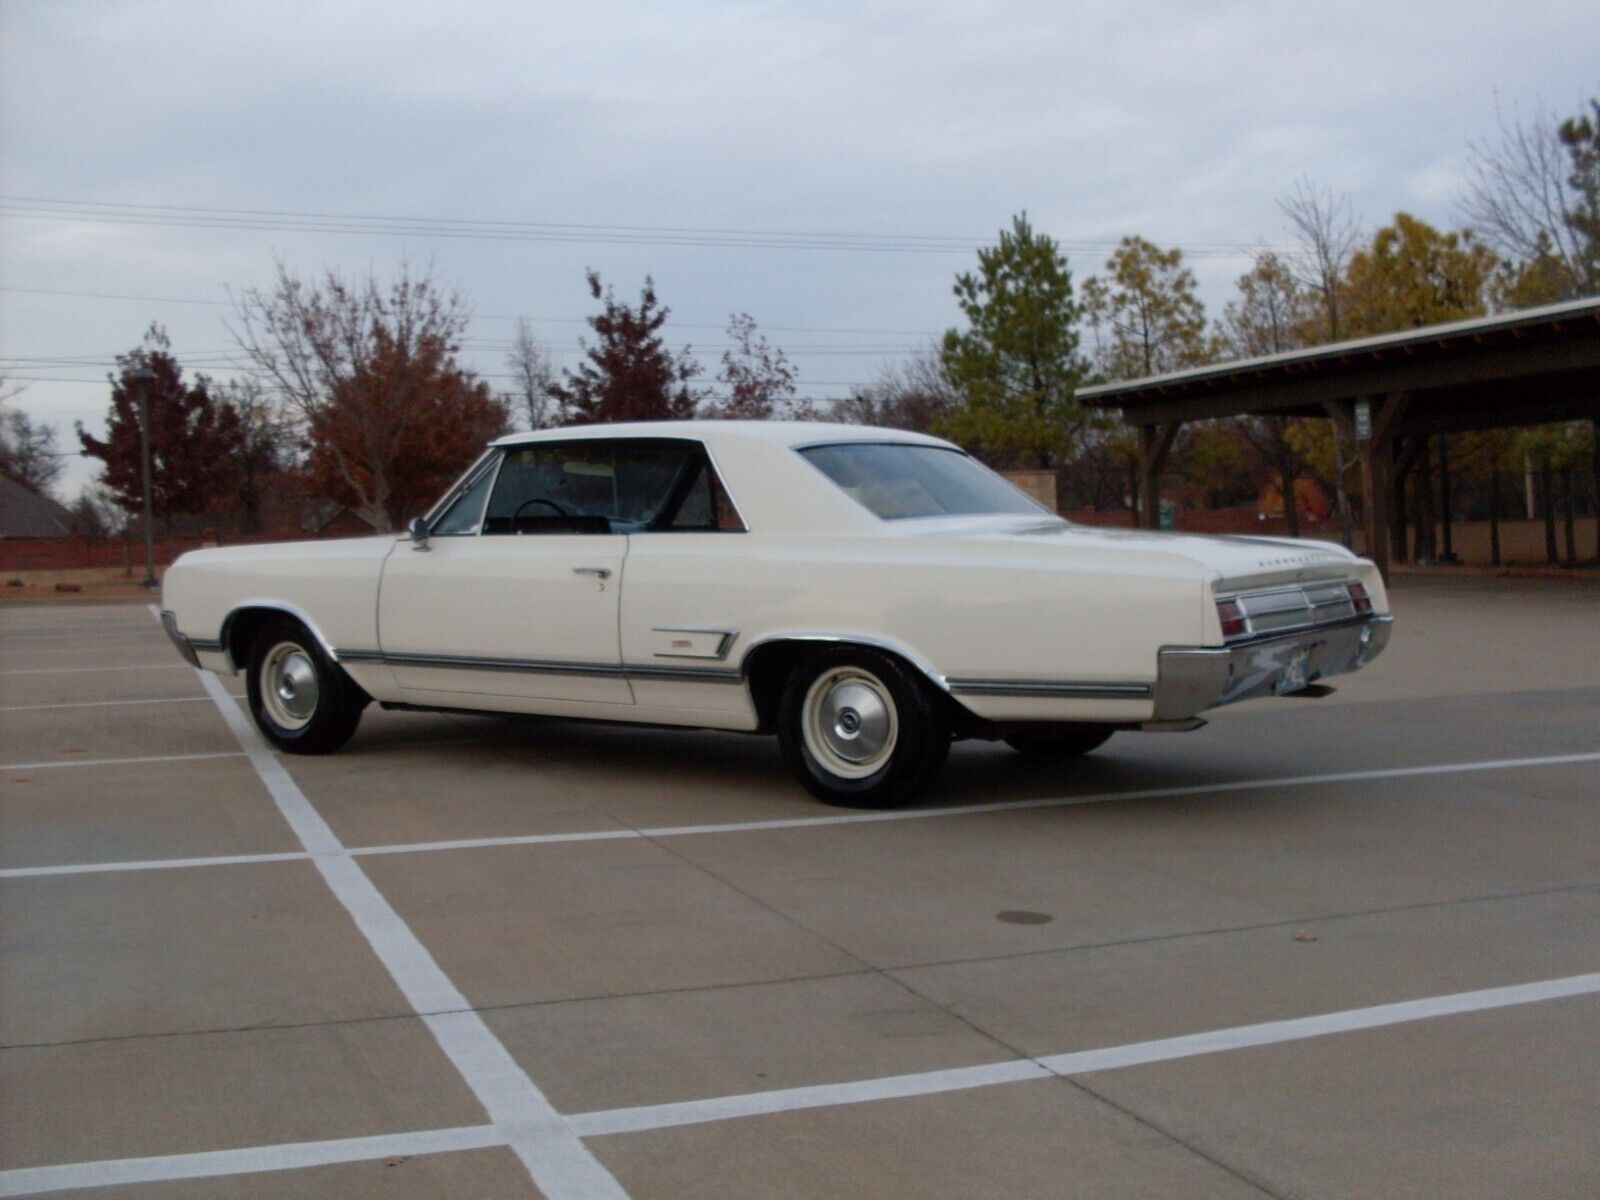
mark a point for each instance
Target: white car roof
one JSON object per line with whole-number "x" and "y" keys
{"x": 782, "y": 433}
{"x": 775, "y": 490}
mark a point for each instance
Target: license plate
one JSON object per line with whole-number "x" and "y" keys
{"x": 1294, "y": 676}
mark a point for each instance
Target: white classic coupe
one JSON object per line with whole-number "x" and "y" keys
{"x": 868, "y": 595}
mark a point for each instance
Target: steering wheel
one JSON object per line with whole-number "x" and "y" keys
{"x": 551, "y": 504}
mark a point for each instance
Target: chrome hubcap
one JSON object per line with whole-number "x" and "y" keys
{"x": 289, "y": 685}
{"x": 849, "y": 722}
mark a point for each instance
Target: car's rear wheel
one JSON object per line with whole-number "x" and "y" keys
{"x": 859, "y": 728}
{"x": 1060, "y": 741}
{"x": 302, "y": 700}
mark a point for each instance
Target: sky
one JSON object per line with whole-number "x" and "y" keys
{"x": 826, "y": 167}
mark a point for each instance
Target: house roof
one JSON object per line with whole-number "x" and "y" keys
{"x": 25, "y": 513}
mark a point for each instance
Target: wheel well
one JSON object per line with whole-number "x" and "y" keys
{"x": 767, "y": 668}
{"x": 242, "y": 626}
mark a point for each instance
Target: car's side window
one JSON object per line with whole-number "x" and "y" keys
{"x": 566, "y": 487}
{"x": 463, "y": 517}
{"x": 705, "y": 507}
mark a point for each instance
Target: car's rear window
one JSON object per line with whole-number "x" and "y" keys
{"x": 898, "y": 480}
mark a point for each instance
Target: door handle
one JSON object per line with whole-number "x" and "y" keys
{"x": 597, "y": 572}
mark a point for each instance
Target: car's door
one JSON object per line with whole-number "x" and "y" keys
{"x": 515, "y": 593}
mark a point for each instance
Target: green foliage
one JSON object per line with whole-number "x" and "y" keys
{"x": 1273, "y": 312}
{"x": 1413, "y": 275}
{"x": 1580, "y": 137}
{"x": 1146, "y": 317}
{"x": 1016, "y": 367}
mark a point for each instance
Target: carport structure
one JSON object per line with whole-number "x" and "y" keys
{"x": 1386, "y": 395}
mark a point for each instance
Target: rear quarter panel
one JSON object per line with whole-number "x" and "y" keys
{"x": 964, "y": 609}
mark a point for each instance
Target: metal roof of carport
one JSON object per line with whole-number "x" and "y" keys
{"x": 1553, "y": 338}
{"x": 1528, "y": 367}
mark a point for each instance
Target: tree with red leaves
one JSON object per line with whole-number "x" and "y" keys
{"x": 759, "y": 376}
{"x": 192, "y": 441}
{"x": 629, "y": 374}
{"x": 388, "y": 414}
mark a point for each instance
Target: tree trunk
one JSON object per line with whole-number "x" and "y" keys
{"x": 1427, "y": 536}
{"x": 1399, "y": 542}
{"x": 1291, "y": 505}
{"x": 1545, "y": 486}
{"x": 1568, "y": 522}
{"x": 1494, "y": 514}
{"x": 1448, "y": 552}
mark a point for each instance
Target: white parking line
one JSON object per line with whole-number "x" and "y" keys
{"x": 110, "y": 703}
{"x": 166, "y": 1168}
{"x": 559, "y": 1163}
{"x": 908, "y": 814}
{"x": 644, "y": 1118}
{"x": 54, "y": 763}
{"x": 1081, "y": 1062}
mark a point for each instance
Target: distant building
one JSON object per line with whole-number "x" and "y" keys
{"x": 25, "y": 513}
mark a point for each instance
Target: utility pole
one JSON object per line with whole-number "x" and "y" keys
{"x": 141, "y": 377}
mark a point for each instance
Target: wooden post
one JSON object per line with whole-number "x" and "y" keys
{"x": 1155, "y": 443}
{"x": 1375, "y": 451}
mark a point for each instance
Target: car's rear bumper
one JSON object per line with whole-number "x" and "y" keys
{"x": 1191, "y": 679}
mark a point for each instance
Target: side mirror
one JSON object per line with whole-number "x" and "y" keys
{"x": 419, "y": 533}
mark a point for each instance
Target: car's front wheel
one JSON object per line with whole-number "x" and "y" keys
{"x": 859, "y": 728}
{"x": 1060, "y": 741}
{"x": 302, "y": 701}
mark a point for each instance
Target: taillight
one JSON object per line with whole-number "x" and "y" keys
{"x": 1232, "y": 617}
{"x": 1359, "y": 598}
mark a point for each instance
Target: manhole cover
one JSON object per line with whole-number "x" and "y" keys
{"x": 1022, "y": 916}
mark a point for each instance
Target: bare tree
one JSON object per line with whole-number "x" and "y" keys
{"x": 27, "y": 448}
{"x": 1521, "y": 198}
{"x": 1327, "y": 234}
{"x": 533, "y": 374}
{"x": 264, "y": 442}
{"x": 371, "y": 374}
{"x": 911, "y": 395}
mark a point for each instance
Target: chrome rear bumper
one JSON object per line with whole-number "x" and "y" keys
{"x": 1191, "y": 679}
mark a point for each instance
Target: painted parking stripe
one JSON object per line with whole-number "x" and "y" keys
{"x": 664, "y": 831}
{"x": 1080, "y": 1062}
{"x": 167, "y": 1168}
{"x": 559, "y": 1163}
{"x": 644, "y": 1118}
{"x": 52, "y": 764}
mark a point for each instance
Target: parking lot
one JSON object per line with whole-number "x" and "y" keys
{"x": 1335, "y": 947}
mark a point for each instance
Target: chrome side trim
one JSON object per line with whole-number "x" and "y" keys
{"x": 719, "y": 652}
{"x": 1051, "y": 689}
{"x": 537, "y": 666}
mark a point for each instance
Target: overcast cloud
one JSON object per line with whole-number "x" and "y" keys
{"x": 1178, "y": 121}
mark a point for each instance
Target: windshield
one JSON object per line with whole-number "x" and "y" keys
{"x": 898, "y": 480}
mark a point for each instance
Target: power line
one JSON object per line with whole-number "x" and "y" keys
{"x": 207, "y": 217}
{"x": 910, "y": 333}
